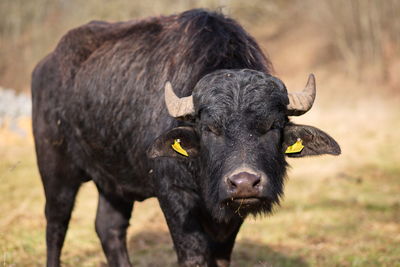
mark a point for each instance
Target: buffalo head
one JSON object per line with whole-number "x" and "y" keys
{"x": 238, "y": 137}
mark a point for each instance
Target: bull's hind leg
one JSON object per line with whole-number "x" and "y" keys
{"x": 112, "y": 221}
{"x": 59, "y": 204}
{"x": 61, "y": 181}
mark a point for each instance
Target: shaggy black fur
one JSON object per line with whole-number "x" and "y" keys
{"x": 98, "y": 111}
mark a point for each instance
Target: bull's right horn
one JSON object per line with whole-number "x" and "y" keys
{"x": 300, "y": 103}
{"x": 177, "y": 107}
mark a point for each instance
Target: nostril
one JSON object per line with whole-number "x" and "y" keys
{"x": 257, "y": 182}
{"x": 232, "y": 183}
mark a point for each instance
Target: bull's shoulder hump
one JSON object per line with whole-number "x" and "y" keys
{"x": 85, "y": 39}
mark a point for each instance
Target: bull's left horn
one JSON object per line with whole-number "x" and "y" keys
{"x": 300, "y": 103}
{"x": 177, "y": 107}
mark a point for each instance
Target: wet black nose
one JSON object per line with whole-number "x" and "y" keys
{"x": 244, "y": 184}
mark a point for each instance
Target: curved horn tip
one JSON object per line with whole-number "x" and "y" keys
{"x": 168, "y": 89}
{"x": 311, "y": 83}
{"x": 169, "y": 94}
{"x": 170, "y": 98}
{"x": 300, "y": 103}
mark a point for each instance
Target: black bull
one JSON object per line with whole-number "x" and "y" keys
{"x": 99, "y": 114}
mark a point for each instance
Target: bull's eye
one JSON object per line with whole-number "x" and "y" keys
{"x": 213, "y": 129}
{"x": 265, "y": 128}
{"x": 262, "y": 130}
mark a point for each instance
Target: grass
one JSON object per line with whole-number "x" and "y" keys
{"x": 342, "y": 211}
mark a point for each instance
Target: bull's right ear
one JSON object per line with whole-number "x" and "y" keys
{"x": 180, "y": 142}
{"x": 313, "y": 141}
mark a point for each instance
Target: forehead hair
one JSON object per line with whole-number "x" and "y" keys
{"x": 228, "y": 93}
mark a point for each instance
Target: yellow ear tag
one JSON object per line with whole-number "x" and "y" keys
{"x": 296, "y": 147}
{"x": 178, "y": 148}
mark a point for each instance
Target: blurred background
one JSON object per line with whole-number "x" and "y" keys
{"x": 338, "y": 211}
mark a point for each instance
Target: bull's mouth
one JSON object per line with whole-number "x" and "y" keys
{"x": 243, "y": 206}
{"x": 246, "y": 201}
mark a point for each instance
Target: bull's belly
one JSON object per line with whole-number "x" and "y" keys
{"x": 118, "y": 172}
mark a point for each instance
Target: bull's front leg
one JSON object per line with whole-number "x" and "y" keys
{"x": 221, "y": 240}
{"x": 190, "y": 241}
{"x": 198, "y": 240}
{"x": 112, "y": 221}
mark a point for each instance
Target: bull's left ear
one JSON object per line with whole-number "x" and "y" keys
{"x": 180, "y": 142}
{"x": 303, "y": 140}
